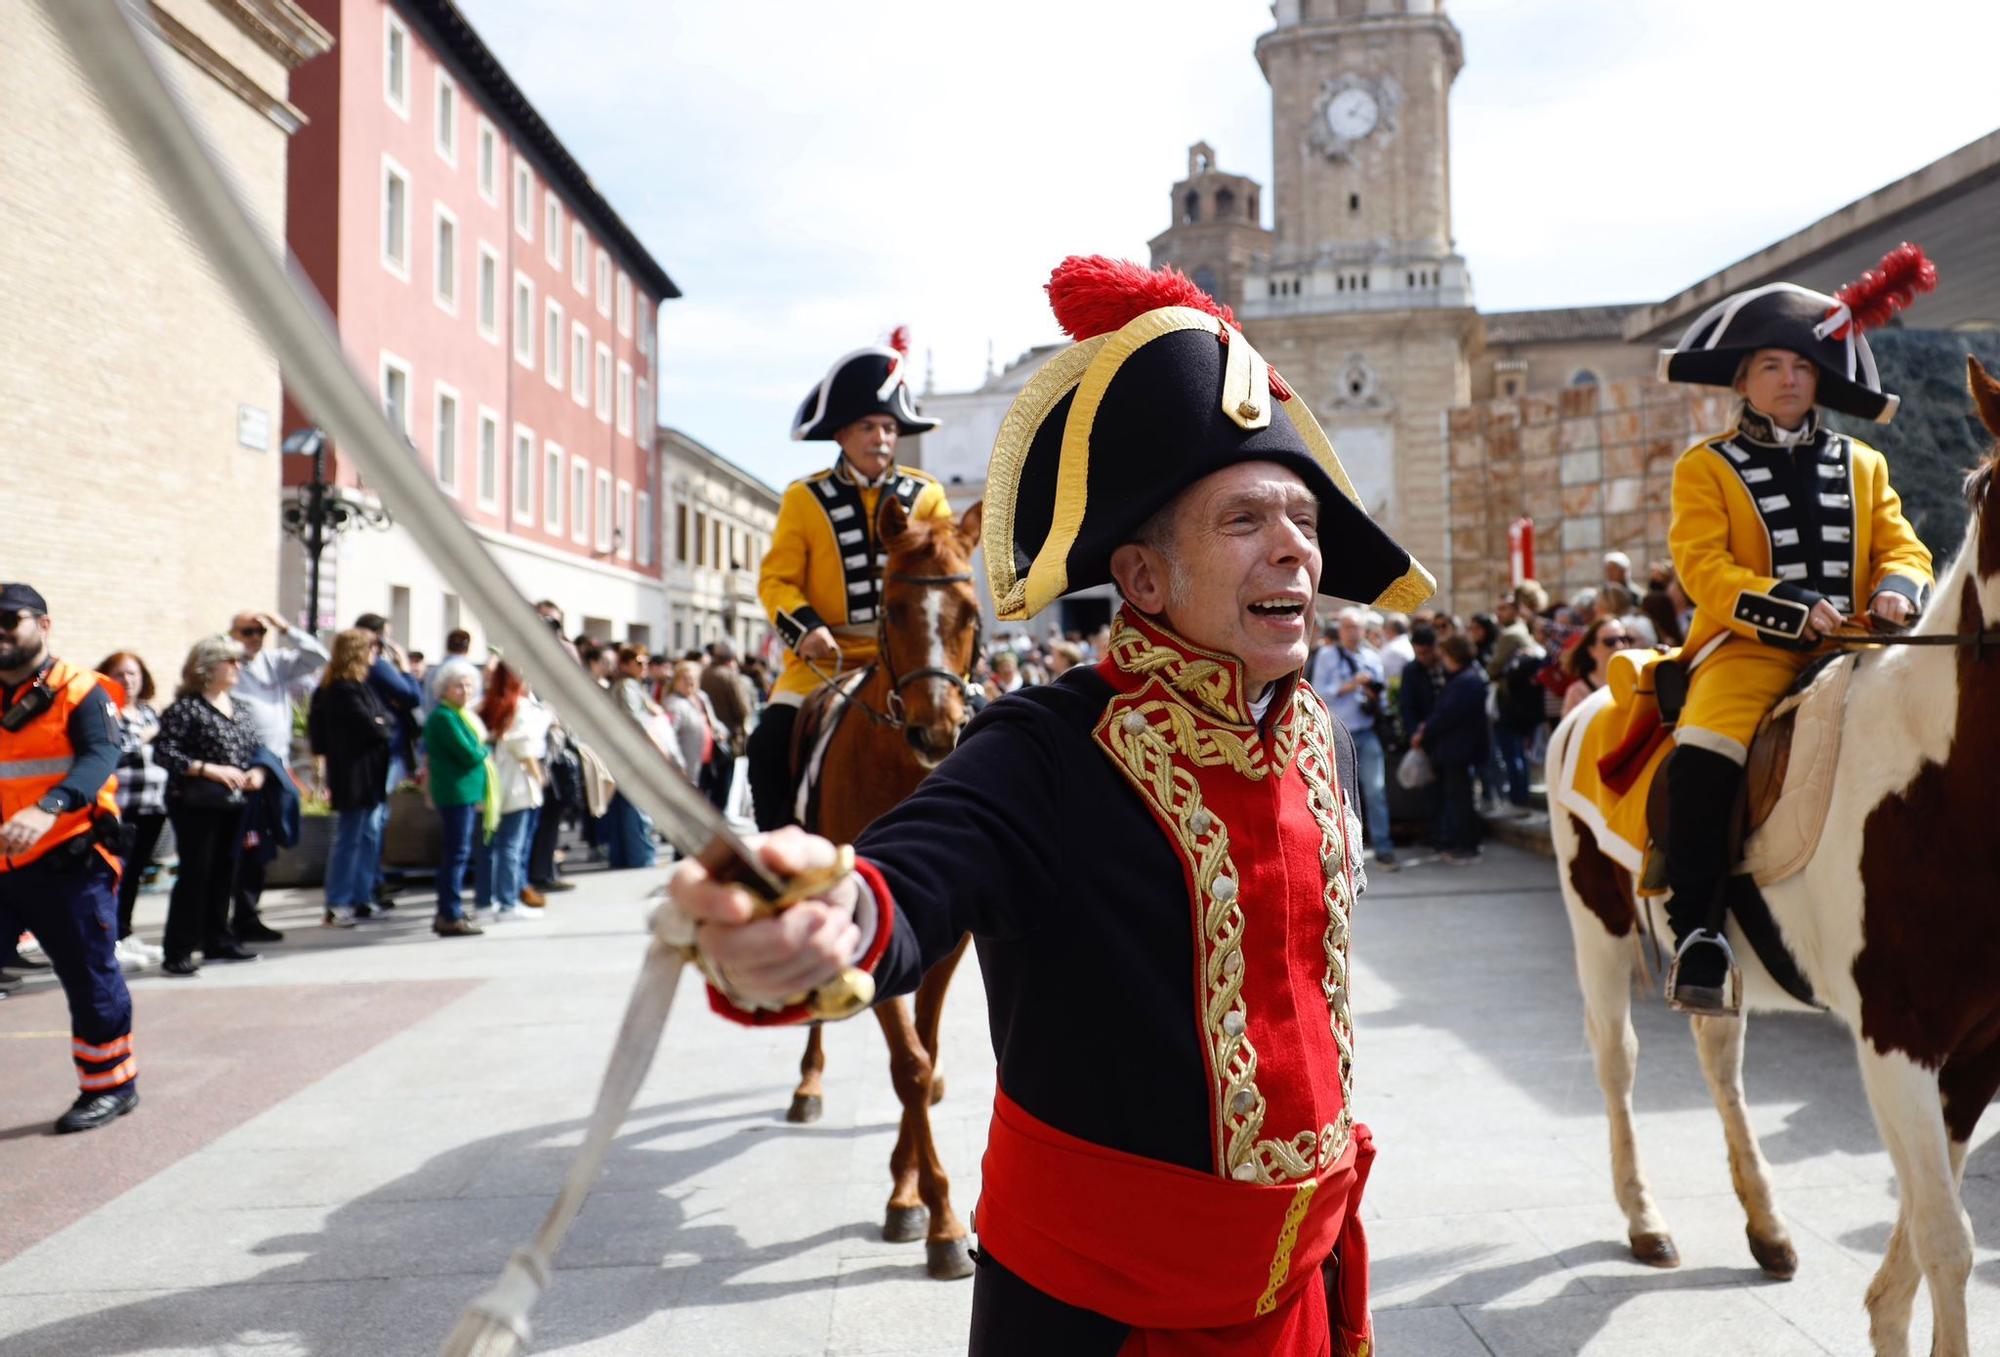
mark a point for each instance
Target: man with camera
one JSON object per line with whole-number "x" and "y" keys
{"x": 1348, "y": 675}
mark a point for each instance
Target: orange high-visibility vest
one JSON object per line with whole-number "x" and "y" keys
{"x": 36, "y": 757}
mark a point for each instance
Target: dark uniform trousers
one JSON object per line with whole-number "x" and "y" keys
{"x": 69, "y": 901}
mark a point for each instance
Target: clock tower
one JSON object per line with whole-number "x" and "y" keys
{"x": 1360, "y": 298}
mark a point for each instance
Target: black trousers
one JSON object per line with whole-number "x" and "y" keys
{"x": 142, "y": 836}
{"x": 198, "y": 911}
{"x": 542, "y": 848}
{"x": 248, "y": 891}
{"x": 770, "y": 754}
{"x": 716, "y": 775}
{"x": 1461, "y": 822}
{"x": 1010, "y": 1317}
{"x": 69, "y": 901}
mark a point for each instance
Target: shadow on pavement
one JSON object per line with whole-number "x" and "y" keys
{"x": 350, "y": 1287}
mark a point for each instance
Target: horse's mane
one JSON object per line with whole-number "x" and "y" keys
{"x": 928, "y": 537}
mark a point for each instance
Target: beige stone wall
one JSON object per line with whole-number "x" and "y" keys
{"x": 129, "y": 501}
{"x": 1419, "y": 357}
{"x": 1551, "y": 365}
{"x": 1592, "y": 466}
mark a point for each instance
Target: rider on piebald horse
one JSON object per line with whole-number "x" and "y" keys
{"x": 821, "y": 580}
{"x": 1781, "y": 529}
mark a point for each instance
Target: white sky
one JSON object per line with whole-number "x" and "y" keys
{"x": 814, "y": 172}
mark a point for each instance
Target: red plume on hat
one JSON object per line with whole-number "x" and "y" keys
{"x": 1871, "y": 300}
{"x": 1092, "y": 295}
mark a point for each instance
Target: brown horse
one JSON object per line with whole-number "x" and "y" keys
{"x": 901, "y": 722}
{"x": 1894, "y": 920}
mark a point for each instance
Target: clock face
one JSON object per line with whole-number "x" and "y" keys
{"x": 1352, "y": 114}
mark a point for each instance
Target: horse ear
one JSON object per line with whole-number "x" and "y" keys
{"x": 892, "y": 520}
{"x": 968, "y": 526}
{"x": 1985, "y": 394}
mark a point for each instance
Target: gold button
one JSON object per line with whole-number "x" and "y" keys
{"x": 1243, "y": 1101}
{"x": 1232, "y": 1023}
{"x": 1134, "y": 723}
{"x": 1201, "y": 821}
{"x": 1249, "y": 409}
{"x": 1244, "y": 1173}
{"x": 1224, "y": 889}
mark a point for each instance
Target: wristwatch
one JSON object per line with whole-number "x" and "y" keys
{"x": 55, "y": 803}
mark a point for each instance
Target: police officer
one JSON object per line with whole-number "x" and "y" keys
{"x": 820, "y": 582}
{"x": 58, "y": 831}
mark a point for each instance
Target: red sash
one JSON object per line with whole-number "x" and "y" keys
{"x": 1198, "y": 1265}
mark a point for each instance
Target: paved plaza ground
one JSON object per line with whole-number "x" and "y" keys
{"x": 341, "y": 1142}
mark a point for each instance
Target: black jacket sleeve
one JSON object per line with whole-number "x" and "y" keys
{"x": 977, "y": 847}
{"x": 95, "y": 741}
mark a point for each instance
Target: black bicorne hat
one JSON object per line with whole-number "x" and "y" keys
{"x": 1160, "y": 390}
{"x": 1827, "y": 331}
{"x": 870, "y": 381}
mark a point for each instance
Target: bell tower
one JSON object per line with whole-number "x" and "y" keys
{"x": 1360, "y": 298}
{"x": 1217, "y": 232}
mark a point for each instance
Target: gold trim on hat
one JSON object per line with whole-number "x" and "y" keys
{"x": 1044, "y": 391}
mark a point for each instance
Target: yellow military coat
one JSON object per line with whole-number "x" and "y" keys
{"x": 824, "y": 565}
{"x": 1760, "y": 531}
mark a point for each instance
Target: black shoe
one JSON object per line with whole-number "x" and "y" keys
{"x": 92, "y": 1110}
{"x": 180, "y": 965}
{"x": 256, "y": 930}
{"x": 10, "y": 983}
{"x": 1703, "y": 979}
{"x": 550, "y": 887}
{"x": 234, "y": 951}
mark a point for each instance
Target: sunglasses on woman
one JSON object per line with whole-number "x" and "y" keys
{"x": 1614, "y": 639}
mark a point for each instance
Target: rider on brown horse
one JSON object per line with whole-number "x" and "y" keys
{"x": 1781, "y": 529}
{"x": 1157, "y": 856}
{"x": 820, "y": 582}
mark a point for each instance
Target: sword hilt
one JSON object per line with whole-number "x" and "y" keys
{"x": 841, "y": 997}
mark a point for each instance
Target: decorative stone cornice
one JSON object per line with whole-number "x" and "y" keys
{"x": 280, "y": 27}
{"x": 220, "y": 68}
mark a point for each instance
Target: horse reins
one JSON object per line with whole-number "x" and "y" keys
{"x": 1978, "y": 640}
{"x": 893, "y": 718}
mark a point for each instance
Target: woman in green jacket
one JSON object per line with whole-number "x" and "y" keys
{"x": 455, "y": 745}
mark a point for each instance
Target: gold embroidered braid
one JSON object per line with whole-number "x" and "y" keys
{"x": 1210, "y": 683}
{"x": 1336, "y": 856}
{"x": 1288, "y": 1238}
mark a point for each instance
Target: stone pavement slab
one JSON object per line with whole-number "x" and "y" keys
{"x": 346, "y": 1187}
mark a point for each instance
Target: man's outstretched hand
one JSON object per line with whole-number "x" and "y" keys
{"x": 770, "y": 959}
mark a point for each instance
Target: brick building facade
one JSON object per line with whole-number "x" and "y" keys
{"x": 139, "y": 413}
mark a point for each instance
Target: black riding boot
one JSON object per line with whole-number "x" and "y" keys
{"x": 1702, "y": 787}
{"x": 770, "y": 755}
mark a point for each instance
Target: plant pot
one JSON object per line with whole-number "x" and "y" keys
{"x": 413, "y": 839}
{"x": 304, "y": 863}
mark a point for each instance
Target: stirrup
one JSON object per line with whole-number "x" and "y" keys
{"x": 1713, "y": 1001}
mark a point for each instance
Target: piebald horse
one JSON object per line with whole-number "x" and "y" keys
{"x": 1895, "y": 922}
{"x": 902, "y": 720}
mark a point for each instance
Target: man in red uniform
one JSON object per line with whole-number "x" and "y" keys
{"x": 58, "y": 823}
{"x": 1158, "y": 856}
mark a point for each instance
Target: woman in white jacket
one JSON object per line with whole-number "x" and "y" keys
{"x": 520, "y": 735}
{"x": 695, "y": 723}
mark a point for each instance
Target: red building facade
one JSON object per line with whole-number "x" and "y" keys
{"x": 504, "y": 312}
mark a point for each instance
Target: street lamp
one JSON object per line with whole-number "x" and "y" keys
{"x": 313, "y": 513}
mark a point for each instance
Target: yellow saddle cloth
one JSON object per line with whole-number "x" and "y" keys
{"x": 1608, "y": 767}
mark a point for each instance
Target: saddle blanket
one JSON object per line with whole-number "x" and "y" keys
{"x": 833, "y": 708}
{"x": 1619, "y": 743}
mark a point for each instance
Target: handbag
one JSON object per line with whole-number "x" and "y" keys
{"x": 1415, "y": 770}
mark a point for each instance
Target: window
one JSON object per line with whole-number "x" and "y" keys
{"x": 489, "y": 162}
{"x": 395, "y": 219}
{"x": 552, "y": 486}
{"x": 625, "y": 399}
{"x": 604, "y": 383}
{"x": 395, "y": 62}
{"x": 489, "y": 459}
{"x": 579, "y": 258}
{"x": 579, "y": 362}
{"x": 604, "y": 537}
{"x": 396, "y": 393}
{"x": 645, "y": 329}
{"x": 623, "y": 541}
{"x": 579, "y": 501}
{"x": 552, "y": 345}
{"x": 715, "y": 543}
{"x": 444, "y": 259}
{"x": 489, "y": 292}
{"x": 445, "y": 448}
{"x": 645, "y": 414}
{"x": 524, "y": 320}
{"x": 643, "y": 531}
{"x": 524, "y": 474}
{"x": 624, "y": 305}
{"x": 603, "y": 283}
{"x": 524, "y": 199}
{"x": 700, "y": 538}
{"x": 447, "y": 118}
{"x": 552, "y": 229}
{"x": 681, "y": 533}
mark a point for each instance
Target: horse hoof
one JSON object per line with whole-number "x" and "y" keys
{"x": 1655, "y": 1250}
{"x": 1777, "y": 1257}
{"x": 906, "y": 1224}
{"x": 937, "y": 1090}
{"x": 805, "y": 1107}
{"x": 948, "y": 1260}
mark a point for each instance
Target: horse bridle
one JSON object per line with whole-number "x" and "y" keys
{"x": 894, "y": 718}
